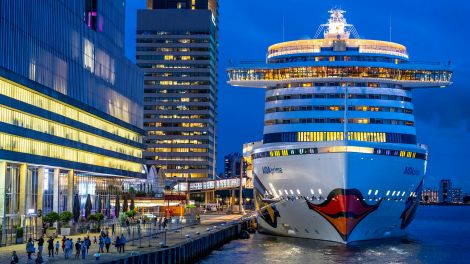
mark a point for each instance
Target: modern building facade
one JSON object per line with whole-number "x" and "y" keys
{"x": 70, "y": 107}
{"x": 233, "y": 165}
{"x": 248, "y": 161}
{"x": 177, "y": 50}
{"x": 444, "y": 186}
{"x": 430, "y": 196}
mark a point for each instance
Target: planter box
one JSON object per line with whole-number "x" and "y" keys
{"x": 51, "y": 232}
{"x": 19, "y": 240}
{"x": 65, "y": 231}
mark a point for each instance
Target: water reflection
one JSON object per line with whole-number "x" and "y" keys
{"x": 435, "y": 237}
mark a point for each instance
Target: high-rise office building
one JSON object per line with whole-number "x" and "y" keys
{"x": 233, "y": 165}
{"x": 444, "y": 187}
{"x": 70, "y": 107}
{"x": 176, "y": 47}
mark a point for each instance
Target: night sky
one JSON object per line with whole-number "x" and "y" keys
{"x": 432, "y": 30}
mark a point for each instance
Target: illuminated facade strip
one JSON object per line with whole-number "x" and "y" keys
{"x": 315, "y": 45}
{"x": 35, "y": 147}
{"x": 290, "y": 73}
{"x": 25, "y": 120}
{"x": 340, "y": 149}
{"x": 319, "y": 136}
{"x": 21, "y": 93}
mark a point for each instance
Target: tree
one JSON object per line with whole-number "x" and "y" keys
{"x": 132, "y": 206}
{"x": 88, "y": 206}
{"x": 76, "y": 208}
{"x": 99, "y": 206}
{"x": 125, "y": 205}
{"x": 65, "y": 216}
{"x": 117, "y": 206}
{"x": 108, "y": 206}
{"x": 51, "y": 218}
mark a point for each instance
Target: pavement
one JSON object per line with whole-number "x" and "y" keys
{"x": 148, "y": 242}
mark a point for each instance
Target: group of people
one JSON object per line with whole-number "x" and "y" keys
{"x": 81, "y": 246}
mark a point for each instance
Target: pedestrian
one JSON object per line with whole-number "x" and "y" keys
{"x": 64, "y": 238}
{"x": 78, "y": 246}
{"x": 87, "y": 243}
{"x": 84, "y": 250}
{"x": 30, "y": 248}
{"x": 68, "y": 248}
{"x": 107, "y": 242}
{"x": 40, "y": 244}
{"x": 57, "y": 246}
{"x": 14, "y": 258}
{"x": 118, "y": 244}
{"x": 101, "y": 244}
{"x": 112, "y": 229}
{"x": 50, "y": 246}
{"x": 123, "y": 243}
{"x": 94, "y": 240}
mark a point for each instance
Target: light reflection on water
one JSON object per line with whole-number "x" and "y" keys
{"x": 438, "y": 235}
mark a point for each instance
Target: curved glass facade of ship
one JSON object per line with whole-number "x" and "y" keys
{"x": 348, "y": 101}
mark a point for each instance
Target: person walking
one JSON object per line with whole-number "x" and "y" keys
{"x": 84, "y": 249}
{"x": 14, "y": 258}
{"x": 123, "y": 243}
{"x": 50, "y": 246}
{"x": 30, "y": 248}
{"x": 40, "y": 244}
{"x": 87, "y": 243}
{"x": 118, "y": 244}
{"x": 64, "y": 239}
{"x": 57, "y": 246}
{"x": 78, "y": 246}
{"x": 107, "y": 242}
{"x": 101, "y": 244}
{"x": 112, "y": 229}
{"x": 67, "y": 247}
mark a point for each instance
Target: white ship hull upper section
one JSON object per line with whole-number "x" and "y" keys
{"x": 294, "y": 181}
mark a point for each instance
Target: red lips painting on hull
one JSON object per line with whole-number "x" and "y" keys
{"x": 344, "y": 209}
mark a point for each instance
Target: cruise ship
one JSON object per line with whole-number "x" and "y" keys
{"x": 340, "y": 159}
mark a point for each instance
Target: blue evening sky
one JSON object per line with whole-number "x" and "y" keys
{"x": 432, "y": 30}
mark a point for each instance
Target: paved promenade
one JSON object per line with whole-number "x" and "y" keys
{"x": 149, "y": 242}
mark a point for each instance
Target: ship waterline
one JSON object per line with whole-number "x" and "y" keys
{"x": 340, "y": 158}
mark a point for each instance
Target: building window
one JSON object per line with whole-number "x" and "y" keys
{"x": 91, "y": 16}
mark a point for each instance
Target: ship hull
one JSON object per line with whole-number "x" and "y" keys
{"x": 341, "y": 197}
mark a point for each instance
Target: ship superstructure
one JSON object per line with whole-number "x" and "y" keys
{"x": 317, "y": 176}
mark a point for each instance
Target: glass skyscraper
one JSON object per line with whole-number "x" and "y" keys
{"x": 177, "y": 50}
{"x": 70, "y": 105}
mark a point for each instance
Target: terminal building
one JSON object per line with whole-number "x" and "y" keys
{"x": 70, "y": 107}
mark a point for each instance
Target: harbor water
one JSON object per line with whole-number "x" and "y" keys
{"x": 439, "y": 234}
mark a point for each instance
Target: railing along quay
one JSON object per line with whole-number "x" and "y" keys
{"x": 190, "y": 250}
